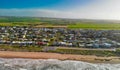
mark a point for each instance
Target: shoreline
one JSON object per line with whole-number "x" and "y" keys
{"x": 44, "y": 55}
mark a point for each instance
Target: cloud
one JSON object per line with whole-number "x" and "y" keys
{"x": 99, "y": 9}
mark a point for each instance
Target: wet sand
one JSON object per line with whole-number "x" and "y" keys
{"x": 43, "y": 55}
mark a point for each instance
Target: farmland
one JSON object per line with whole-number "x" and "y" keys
{"x": 100, "y": 26}
{"x": 57, "y": 22}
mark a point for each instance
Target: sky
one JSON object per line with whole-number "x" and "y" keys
{"x": 83, "y": 9}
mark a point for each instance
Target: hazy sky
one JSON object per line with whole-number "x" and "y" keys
{"x": 90, "y": 9}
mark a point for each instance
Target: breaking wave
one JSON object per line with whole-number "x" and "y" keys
{"x": 52, "y": 64}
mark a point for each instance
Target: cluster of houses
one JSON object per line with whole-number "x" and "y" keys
{"x": 58, "y": 37}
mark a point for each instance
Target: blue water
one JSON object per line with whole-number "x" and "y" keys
{"x": 52, "y": 64}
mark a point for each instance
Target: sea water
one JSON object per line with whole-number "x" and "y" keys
{"x": 52, "y": 64}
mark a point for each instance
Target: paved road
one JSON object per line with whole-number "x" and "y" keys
{"x": 101, "y": 49}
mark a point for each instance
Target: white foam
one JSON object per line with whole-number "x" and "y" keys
{"x": 53, "y": 64}
{"x": 22, "y": 69}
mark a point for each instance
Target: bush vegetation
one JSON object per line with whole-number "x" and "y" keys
{"x": 23, "y": 49}
{"x": 103, "y": 53}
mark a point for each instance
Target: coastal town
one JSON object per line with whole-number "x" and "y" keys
{"x": 59, "y": 34}
{"x": 59, "y": 37}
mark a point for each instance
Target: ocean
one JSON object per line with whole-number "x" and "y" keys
{"x": 52, "y": 64}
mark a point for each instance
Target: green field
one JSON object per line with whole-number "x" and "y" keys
{"x": 110, "y": 26}
{"x": 99, "y": 26}
{"x": 20, "y": 24}
{"x": 13, "y": 24}
{"x": 70, "y": 23}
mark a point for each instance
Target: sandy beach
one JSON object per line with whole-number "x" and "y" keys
{"x": 43, "y": 55}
